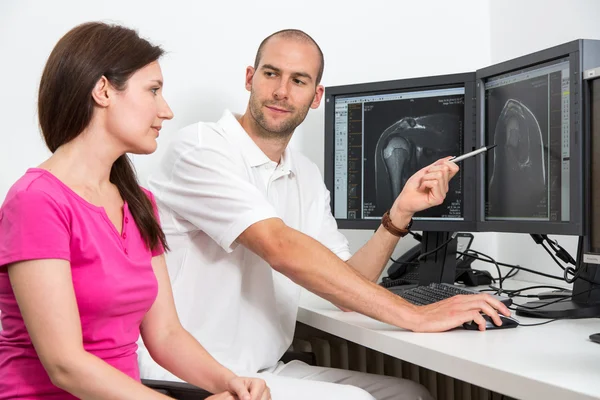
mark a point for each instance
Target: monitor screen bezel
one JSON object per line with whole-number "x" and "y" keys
{"x": 574, "y": 226}
{"x": 466, "y": 80}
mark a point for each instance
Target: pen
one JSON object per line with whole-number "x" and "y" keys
{"x": 472, "y": 153}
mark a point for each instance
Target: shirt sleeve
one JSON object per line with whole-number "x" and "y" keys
{"x": 329, "y": 235}
{"x": 33, "y": 226}
{"x": 158, "y": 249}
{"x": 204, "y": 181}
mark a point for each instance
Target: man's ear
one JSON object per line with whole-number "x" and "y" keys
{"x": 318, "y": 96}
{"x": 102, "y": 92}
{"x": 249, "y": 76}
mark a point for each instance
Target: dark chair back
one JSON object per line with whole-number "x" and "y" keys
{"x": 177, "y": 390}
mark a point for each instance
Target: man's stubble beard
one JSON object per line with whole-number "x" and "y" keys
{"x": 285, "y": 129}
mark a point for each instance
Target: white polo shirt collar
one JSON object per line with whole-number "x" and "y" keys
{"x": 255, "y": 156}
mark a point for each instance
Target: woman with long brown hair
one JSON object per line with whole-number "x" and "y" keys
{"x": 82, "y": 271}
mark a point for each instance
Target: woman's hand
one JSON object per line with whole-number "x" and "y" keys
{"x": 241, "y": 388}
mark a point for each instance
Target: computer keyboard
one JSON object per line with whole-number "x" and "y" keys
{"x": 388, "y": 283}
{"x": 411, "y": 276}
{"x": 434, "y": 292}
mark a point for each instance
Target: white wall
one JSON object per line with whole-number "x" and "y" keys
{"x": 520, "y": 27}
{"x": 211, "y": 43}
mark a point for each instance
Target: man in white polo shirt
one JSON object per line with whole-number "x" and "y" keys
{"x": 248, "y": 221}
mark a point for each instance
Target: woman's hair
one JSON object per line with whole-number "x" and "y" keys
{"x": 65, "y": 104}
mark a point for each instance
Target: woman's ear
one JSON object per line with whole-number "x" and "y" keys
{"x": 101, "y": 92}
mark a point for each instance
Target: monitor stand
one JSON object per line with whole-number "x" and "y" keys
{"x": 559, "y": 309}
{"x": 439, "y": 266}
{"x": 584, "y": 304}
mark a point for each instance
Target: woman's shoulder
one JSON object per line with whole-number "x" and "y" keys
{"x": 36, "y": 183}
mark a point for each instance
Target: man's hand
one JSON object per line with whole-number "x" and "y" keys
{"x": 426, "y": 188}
{"x": 240, "y": 388}
{"x": 457, "y": 310}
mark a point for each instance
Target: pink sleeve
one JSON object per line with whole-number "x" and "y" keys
{"x": 158, "y": 250}
{"x": 32, "y": 227}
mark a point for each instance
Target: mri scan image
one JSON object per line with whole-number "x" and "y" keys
{"x": 518, "y": 163}
{"x": 409, "y": 145}
{"x": 403, "y": 136}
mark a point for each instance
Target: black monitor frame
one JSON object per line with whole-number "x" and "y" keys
{"x": 573, "y": 51}
{"x": 583, "y": 55}
{"x": 585, "y": 301}
{"x": 466, "y": 80}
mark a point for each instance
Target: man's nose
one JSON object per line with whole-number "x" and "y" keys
{"x": 281, "y": 92}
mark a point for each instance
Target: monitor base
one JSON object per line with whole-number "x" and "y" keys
{"x": 551, "y": 308}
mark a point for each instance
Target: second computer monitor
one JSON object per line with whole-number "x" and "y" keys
{"x": 379, "y": 134}
{"x": 530, "y": 108}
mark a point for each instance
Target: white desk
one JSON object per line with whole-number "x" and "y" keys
{"x": 553, "y": 361}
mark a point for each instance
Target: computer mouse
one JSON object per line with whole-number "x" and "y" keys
{"x": 595, "y": 337}
{"x": 507, "y": 322}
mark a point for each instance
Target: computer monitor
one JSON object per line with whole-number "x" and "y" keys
{"x": 536, "y": 109}
{"x": 379, "y": 134}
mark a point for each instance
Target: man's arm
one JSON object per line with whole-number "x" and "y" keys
{"x": 313, "y": 266}
{"x": 426, "y": 188}
{"x": 371, "y": 259}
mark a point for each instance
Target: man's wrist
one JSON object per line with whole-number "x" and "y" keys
{"x": 400, "y": 219}
{"x": 413, "y": 317}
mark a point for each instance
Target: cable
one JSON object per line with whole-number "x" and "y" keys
{"x": 567, "y": 270}
{"x": 541, "y": 323}
{"x": 513, "y": 271}
{"x": 516, "y": 292}
{"x": 568, "y": 298}
{"x": 499, "y": 263}
{"x": 493, "y": 261}
{"x": 510, "y": 273}
{"x": 518, "y": 267}
{"x": 560, "y": 251}
{"x": 564, "y": 256}
{"x": 576, "y": 272}
{"x": 451, "y": 238}
{"x": 404, "y": 262}
{"x": 553, "y": 257}
{"x": 417, "y": 236}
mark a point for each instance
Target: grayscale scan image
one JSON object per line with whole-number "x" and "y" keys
{"x": 518, "y": 162}
{"x": 403, "y": 136}
{"x": 523, "y": 171}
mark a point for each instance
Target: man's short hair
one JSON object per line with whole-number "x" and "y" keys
{"x": 292, "y": 34}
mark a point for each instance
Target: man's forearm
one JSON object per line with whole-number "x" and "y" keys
{"x": 372, "y": 258}
{"x": 313, "y": 266}
{"x": 183, "y": 356}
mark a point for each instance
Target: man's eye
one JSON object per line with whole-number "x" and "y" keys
{"x": 154, "y": 90}
{"x": 299, "y": 82}
{"x": 270, "y": 74}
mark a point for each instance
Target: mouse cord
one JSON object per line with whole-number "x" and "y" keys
{"x": 541, "y": 323}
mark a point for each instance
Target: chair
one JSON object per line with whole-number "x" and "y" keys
{"x": 186, "y": 391}
{"x": 177, "y": 390}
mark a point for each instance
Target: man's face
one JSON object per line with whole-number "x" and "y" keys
{"x": 283, "y": 87}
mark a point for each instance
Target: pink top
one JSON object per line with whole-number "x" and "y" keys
{"x": 114, "y": 283}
